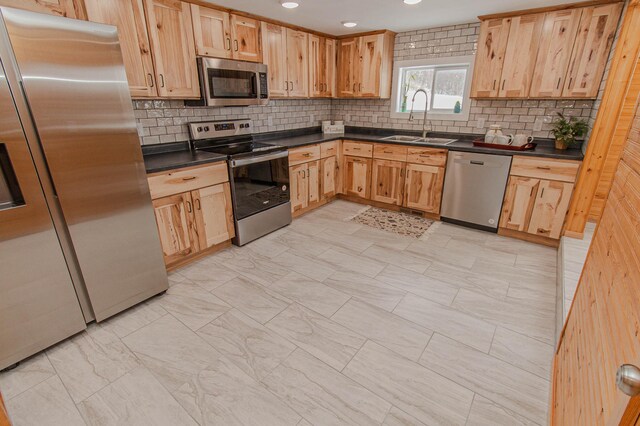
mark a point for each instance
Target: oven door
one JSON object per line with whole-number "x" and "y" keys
{"x": 259, "y": 183}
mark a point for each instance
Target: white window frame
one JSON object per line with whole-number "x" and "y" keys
{"x": 441, "y": 63}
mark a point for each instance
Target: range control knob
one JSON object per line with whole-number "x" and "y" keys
{"x": 206, "y": 128}
{"x": 199, "y": 129}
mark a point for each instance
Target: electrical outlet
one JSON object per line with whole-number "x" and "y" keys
{"x": 312, "y": 118}
{"x": 537, "y": 125}
{"x": 374, "y": 118}
{"x": 481, "y": 122}
{"x": 270, "y": 121}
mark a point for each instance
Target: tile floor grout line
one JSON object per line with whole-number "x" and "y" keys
{"x": 473, "y": 400}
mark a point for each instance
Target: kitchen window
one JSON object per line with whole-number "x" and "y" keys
{"x": 447, "y": 82}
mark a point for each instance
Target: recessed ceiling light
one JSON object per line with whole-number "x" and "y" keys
{"x": 412, "y": 1}
{"x": 289, "y": 4}
{"x": 349, "y": 24}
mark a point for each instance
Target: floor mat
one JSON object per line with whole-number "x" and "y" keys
{"x": 396, "y": 222}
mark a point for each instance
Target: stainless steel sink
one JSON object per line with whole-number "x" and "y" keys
{"x": 432, "y": 141}
{"x": 401, "y": 138}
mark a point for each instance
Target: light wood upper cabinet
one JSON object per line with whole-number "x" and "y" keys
{"x": 297, "y": 63}
{"x": 423, "y": 187}
{"x": 274, "y": 42}
{"x": 556, "y": 44}
{"x": 348, "y": 67}
{"x": 550, "y": 208}
{"x": 520, "y": 55}
{"x": 365, "y": 66}
{"x": 357, "y": 178}
{"x": 175, "y": 226}
{"x": 212, "y": 32}
{"x": 213, "y": 215}
{"x": 222, "y": 35}
{"x": 66, "y": 8}
{"x": 246, "y": 39}
{"x": 387, "y": 181}
{"x": 128, "y": 17}
{"x": 322, "y": 66}
{"x": 492, "y": 45}
{"x": 174, "y": 54}
{"x": 591, "y": 50}
{"x": 286, "y": 55}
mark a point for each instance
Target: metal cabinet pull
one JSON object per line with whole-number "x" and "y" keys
{"x": 503, "y": 82}
{"x": 360, "y": 87}
{"x": 188, "y": 178}
{"x": 570, "y": 81}
{"x": 235, "y": 43}
{"x": 229, "y": 43}
{"x": 559, "y": 81}
{"x": 189, "y": 208}
{"x": 291, "y": 84}
{"x": 628, "y": 379}
{"x": 543, "y": 167}
{"x": 494, "y": 84}
{"x": 150, "y": 79}
{"x": 286, "y": 85}
{"x": 354, "y": 87}
{"x": 161, "y": 80}
{"x": 304, "y": 174}
{"x": 198, "y": 205}
{"x": 306, "y": 154}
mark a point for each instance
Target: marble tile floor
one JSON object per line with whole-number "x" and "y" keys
{"x": 325, "y": 322}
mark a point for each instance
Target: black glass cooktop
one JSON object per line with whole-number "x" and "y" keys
{"x": 241, "y": 148}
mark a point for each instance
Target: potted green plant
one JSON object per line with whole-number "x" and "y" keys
{"x": 568, "y": 130}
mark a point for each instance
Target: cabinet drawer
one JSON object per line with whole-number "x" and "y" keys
{"x": 428, "y": 156}
{"x": 390, "y": 152}
{"x": 304, "y": 154}
{"x": 545, "y": 168}
{"x": 185, "y": 180}
{"x": 357, "y": 149}
{"x": 329, "y": 149}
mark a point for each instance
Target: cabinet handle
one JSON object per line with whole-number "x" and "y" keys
{"x": 286, "y": 85}
{"x": 188, "y": 178}
{"x": 359, "y": 189}
{"x": 356, "y": 148}
{"x": 229, "y": 42}
{"x": 387, "y": 152}
{"x": 189, "y": 208}
{"x": 306, "y": 154}
{"x": 570, "y": 81}
{"x": 235, "y": 43}
{"x": 503, "y": 82}
{"x": 150, "y": 79}
{"x": 559, "y": 81}
{"x": 542, "y": 193}
{"x": 360, "y": 87}
{"x": 425, "y": 156}
{"x": 543, "y": 167}
{"x": 354, "y": 87}
{"x": 161, "y": 80}
{"x": 494, "y": 84}
{"x": 198, "y": 205}
{"x": 291, "y": 85}
{"x": 304, "y": 174}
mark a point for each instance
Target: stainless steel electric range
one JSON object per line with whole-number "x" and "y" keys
{"x": 258, "y": 174}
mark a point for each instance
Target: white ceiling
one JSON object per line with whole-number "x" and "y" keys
{"x": 326, "y": 15}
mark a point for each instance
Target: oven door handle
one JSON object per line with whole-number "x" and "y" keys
{"x": 259, "y": 159}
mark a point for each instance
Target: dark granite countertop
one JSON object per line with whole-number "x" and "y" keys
{"x": 165, "y": 157}
{"x": 159, "y": 158}
{"x": 464, "y": 142}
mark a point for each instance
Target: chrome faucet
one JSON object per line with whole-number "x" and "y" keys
{"x": 426, "y": 108}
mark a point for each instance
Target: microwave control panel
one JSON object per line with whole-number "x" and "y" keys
{"x": 264, "y": 86}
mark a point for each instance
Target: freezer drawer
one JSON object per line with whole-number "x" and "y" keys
{"x": 474, "y": 189}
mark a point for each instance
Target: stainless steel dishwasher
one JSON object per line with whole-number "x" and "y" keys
{"x": 474, "y": 188}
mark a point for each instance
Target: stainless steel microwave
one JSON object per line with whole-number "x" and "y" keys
{"x": 225, "y": 82}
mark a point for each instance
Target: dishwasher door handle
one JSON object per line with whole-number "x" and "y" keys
{"x": 477, "y": 163}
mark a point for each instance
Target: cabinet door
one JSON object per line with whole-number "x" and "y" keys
{"x": 328, "y": 180}
{"x": 520, "y": 56}
{"x": 174, "y": 216}
{"x": 348, "y": 67}
{"x": 518, "y": 203}
{"x": 213, "y": 215}
{"x": 66, "y": 8}
{"x": 330, "y": 68}
{"x": 370, "y": 67}
{"x": 550, "y": 208}
{"x": 317, "y": 46}
{"x": 558, "y": 35}
{"x": 423, "y": 187}
{"x": 313, "y": 179}
{"x": 357, "y": 179}
{"x": 387, "y": 181}
{"x": 274, "y": 42}
{"x": 246, "y": 39}
{"x": 299, "y": 187}
{"x": 128, "y": 17}
{"x": 174, "y": 52}
{"x": 591, "y": 49}
{"x": 212, "y": 32}
{"x": 297, "y": 63}
{"x": 492, "y": 45}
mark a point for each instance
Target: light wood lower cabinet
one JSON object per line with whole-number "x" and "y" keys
{"x": 387, "y": 181}
{"x": 423, "y": 187}
{"x": 313, "y": 176}
{"x": 550, "y": 208}
{"x": 329, "y": 177}
{"x": 357, "y": 177}
{"x": 174, "y": 216}
{"x": 193, "y": 210}
{"x": 518, "y": 203}
{"x": 305, "y": 185}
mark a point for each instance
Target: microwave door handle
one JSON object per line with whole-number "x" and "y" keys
{"x": 254, "y": 85}
{"x": 259, "y": 159}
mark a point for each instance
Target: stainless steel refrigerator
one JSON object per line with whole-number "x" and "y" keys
{"x": 78, "y": 239}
